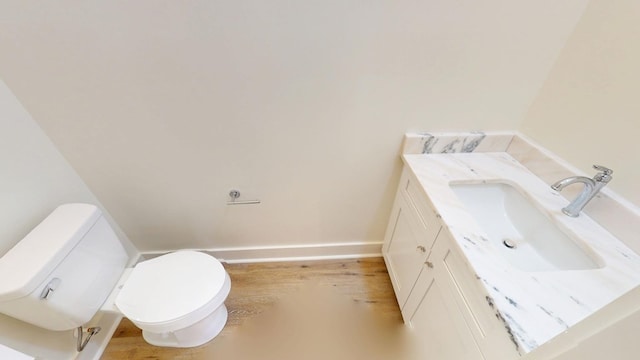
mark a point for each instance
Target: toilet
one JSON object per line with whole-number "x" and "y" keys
{"x": 72, "y": 265}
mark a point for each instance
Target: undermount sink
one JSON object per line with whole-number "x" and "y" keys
{"x": 520, "y": 232}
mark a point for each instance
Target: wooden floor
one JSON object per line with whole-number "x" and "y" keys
{"x": 255, "y": 287}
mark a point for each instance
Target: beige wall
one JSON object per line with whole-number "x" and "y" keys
{"x": 163, "y": 106}
{"x": 34, "y": 177}
{"x": 588, "y": 110}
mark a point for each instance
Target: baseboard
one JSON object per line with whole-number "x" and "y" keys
{"x": 252, "y": 254}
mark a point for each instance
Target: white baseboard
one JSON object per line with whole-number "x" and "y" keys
{"x": 233, "y": 255}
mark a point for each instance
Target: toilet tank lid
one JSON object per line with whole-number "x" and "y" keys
{"x": 32, "y": 259}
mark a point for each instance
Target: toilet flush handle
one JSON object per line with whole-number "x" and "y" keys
{"x": 50, "y": 288}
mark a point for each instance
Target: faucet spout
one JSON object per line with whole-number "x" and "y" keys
{"x": 588, "y": 183}
{"x": 590, "y": 189}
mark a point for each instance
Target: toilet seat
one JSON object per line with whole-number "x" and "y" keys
{"x": 173, "y": 291}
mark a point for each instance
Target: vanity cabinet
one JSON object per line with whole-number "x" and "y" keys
{"x": 438, "y": 293}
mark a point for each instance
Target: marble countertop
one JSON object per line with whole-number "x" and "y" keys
{"x": 536, "y": 306}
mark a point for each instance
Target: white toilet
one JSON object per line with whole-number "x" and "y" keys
{"x": 72, "y": 265}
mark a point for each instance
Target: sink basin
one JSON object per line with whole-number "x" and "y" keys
{"x": 520, "y": 232}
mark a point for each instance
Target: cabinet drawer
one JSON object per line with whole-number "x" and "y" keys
{"x": 427, "y": 220}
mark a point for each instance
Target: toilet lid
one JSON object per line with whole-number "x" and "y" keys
{"x": 170, "y": 286}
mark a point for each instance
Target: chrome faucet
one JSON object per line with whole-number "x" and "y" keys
{"x": 590, "y": 189}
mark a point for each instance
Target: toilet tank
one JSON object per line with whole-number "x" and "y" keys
{"x": 59, "y": 275}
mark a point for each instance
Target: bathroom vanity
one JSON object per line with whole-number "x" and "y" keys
{"x": 486, "y": 266}
{"x": 436, "y": 291}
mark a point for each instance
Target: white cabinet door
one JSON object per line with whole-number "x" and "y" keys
{"x": 402, "y": 252}
{"x": 438, "y": 324}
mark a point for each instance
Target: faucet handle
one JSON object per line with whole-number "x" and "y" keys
{"x": 605, "y": 170}
{"x": 604, "y": 176}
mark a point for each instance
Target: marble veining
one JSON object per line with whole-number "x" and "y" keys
{"x": 535, "y": 306}
{"x": 449, "y": 143}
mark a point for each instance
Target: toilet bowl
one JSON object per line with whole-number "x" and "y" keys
{"x": 176, "y": 299}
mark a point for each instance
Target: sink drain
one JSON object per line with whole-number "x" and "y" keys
{"x": 509, "y": 243}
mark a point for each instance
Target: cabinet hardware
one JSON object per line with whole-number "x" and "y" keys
{"x": 422, "y": 249}
{"x": 429, "y": 264}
